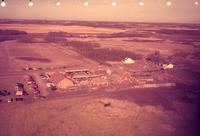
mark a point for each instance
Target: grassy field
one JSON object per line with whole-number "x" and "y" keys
{"x": 57, "y": 46}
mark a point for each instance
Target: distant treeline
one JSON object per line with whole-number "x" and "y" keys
{"x": 104, "y": 24}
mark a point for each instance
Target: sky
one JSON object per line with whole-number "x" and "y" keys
{"x": 181, "y": 11}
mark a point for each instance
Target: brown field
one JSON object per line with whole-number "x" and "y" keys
{"x": 114, "y": 110}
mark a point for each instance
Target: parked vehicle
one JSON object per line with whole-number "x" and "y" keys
{"x": 27, "y": 69}
{"x": 29, "y": 78}
{"x": 36, "y": 91}
{"x": 19, "y": 99}
{"x": 44, "y": 77}
{"x": 31, "y": 82}
{"x": 34, "y": 69}
{"x": 40, "y": 68}
{"x": 10, "y": 100}
{"x": 33, "y": 86}
{"x": 51, "y": 86}
{"x": 19, "y": 88}
{"x": 19, "y": 85}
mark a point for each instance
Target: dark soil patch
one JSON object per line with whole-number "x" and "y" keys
{"x": 12, "y": 32}
{"x": 26, "y": 39}
{"x": 93, "y": 52}
{"x": 109, "y": 55}
{"x": 124, "y": 34}
{"x": 178, "y": 32}
{"x": 185, "y": 37}
{"x": 138, "y": 40}
{"x": 156, "y": 58}
{"x": 44, "y": 60}
{"x": 7, "y": 35}
{"x": 57, "y": 37}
